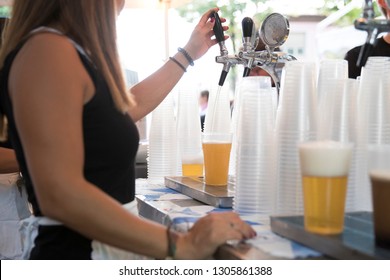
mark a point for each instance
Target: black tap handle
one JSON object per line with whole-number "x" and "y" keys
{"x": 247, "y": 27}
{"x": 218, "y": 29}
{"x": 365, "y": 52}
{"x": 247, "y": 70}
{"x": 222, "y": 78}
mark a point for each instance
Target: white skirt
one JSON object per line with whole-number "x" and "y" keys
{"x": 100, "y": 251}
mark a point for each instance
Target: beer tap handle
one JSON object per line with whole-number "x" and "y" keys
{"x": 247, "y": 33}
{"x": 365, "y": 52}
{"x": 222, "y": 78}
{"x": 220, "y": 36}
{"x": 247, "y": 70}
{"x": 218, "y": 32}
{"x": 247, "y": 27}
{"x": 218, "y": 29}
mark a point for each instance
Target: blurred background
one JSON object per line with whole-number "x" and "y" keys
{"x": 319, "y": 29}
{"x": 149, "y": 31}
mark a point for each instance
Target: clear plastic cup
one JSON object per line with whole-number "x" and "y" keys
{"x": 189, "y": 132}
{"x": 260, "y": 85}
{"x": 324, "y": 169}
{"x": 216, "y": 153}
{"x": 373, "y": 124}
{"x": 255, "y": 154}
{"x": 330, "y": 69}
{"x": 379, "y": 173}
{"x": 162, "y": 157}
{"x": 218, "y": 117}
{"x": 296, "y": 121}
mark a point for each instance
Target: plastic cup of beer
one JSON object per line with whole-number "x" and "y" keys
{"x": 216, "y": 153}
{"x": 379, "y": 172}
{"x": 324, "y": 169}
{"x": 192, "y": 165}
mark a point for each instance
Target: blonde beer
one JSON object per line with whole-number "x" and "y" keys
{"x": 216, "y": 162}
{"x": 324, "y": 168}
{"x": 192, "y": 169}
{"x": 320, "y": 215}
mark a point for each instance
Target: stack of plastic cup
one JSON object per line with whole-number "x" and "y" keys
{"x": 337, "y": 122}
{"x": 338, "y": 110}
{"x": 257, "y": 84}
{"x": 377, "y": 62}
{"x": 275, "y": 100}
{"x": 373, "y": 120}
{"x": 330, "y": 69}
{"x": 189, "y": 132}
{"x": 296, "y": 121}
{"x": 162, "y": 150}
{"x": 255, "y": 160}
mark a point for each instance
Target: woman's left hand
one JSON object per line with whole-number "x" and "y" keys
{"x": 201, "y": 38}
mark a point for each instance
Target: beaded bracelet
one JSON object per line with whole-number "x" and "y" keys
{"x": 178, "y": 63}
{"x": 186, "y": 54}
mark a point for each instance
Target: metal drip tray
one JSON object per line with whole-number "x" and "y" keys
{"x": 355, "y": 242}
{"x": 196, "y": 188}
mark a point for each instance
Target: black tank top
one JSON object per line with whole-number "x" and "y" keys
{"x": 110, "y": 146}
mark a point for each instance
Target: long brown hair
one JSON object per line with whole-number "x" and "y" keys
{"x": 3, "y": 21}
{"x": 91, "y": 23}
{"x": 3, "y": 120}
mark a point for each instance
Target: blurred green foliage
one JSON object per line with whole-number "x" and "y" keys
{"x": 5, "y": 11}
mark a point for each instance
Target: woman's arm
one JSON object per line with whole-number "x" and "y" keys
{"x": 151, "y": 91}
{"x": 8, "y": 162}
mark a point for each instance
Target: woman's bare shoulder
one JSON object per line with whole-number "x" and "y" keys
{"x": 47, "y": 45}
{"x": 48, "y": 60}
{"x": 48, "y": 54}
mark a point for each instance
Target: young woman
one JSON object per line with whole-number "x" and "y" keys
{"x": 71, "y": 123}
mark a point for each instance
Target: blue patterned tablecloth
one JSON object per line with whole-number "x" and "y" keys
{"x": 164, "y": 205}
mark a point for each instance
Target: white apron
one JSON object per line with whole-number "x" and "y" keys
{"x": 100, "y": 251}
{"x": 13, "y": 209}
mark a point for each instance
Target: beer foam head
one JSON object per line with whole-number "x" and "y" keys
{"x": 325, "y": 158}
{"x": 192, "y": 158}
{"x": 380, "y": 174}
{"x": 216, "y": 138}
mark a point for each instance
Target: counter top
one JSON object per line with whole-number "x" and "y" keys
{"x": 164, "y": 205}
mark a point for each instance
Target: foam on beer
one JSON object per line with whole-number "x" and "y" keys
{"x": 325, "y": 158}
{"x": 192, "y": 159}
{"x": 380, "y": 174}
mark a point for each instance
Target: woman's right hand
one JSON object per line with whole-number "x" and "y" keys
{"x": 210, "y": 232}
{"x": 202, "y": 37}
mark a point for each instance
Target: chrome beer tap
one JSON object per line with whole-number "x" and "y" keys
{"x": 226, "y": 59}
{"x": 249, "y": 43}
{"x": 373, "y": 27}
{"x": 274, "y": 33}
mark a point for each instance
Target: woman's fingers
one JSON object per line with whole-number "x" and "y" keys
{"x": 207, "y": 15}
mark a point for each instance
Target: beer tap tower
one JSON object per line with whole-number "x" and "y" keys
{"x": 274, "y": 32}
